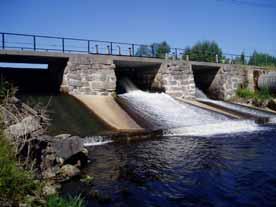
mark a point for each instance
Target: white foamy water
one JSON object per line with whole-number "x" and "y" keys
{"x": 164, "y": 112}
{"x": 95, "y": 141}
{"x": 243, "y": 109}
{"x": 226, "y": 127}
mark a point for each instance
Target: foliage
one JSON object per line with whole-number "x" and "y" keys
{"x": 239, "y": 59}
{"x": 261, "y": 95}
{"x": 144, "y": 50}
{"x": 56, "y": 201}
{"x": 15, "y": 183}
{"x": 264, "y": 94}
{"x": 205, "y": 51}
{"x": 245, "y": 93}
{"x": 6, "y": 89}
{"x": 161, "y": 49}
{"x": 262, "y": 59}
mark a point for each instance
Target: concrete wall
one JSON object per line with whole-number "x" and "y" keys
{"x": 176, "y": 79}
{"x": 85, "y": 75}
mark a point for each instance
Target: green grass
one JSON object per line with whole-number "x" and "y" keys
{"x": 264, "y": 94}
{"x": 15, "y": 183}
{"x": 56, "y": 201}
{"x": 260, "y": 95}
{"x": 245, "y": 93}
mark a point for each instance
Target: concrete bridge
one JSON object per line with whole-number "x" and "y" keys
{"x": 90, "y": 74}
{"x": 93, "y": 79}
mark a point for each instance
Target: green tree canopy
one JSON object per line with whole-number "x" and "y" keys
{"x": 160, "y": 49}
{"x": 204, "y": 51}
{"x": 262, "y": 59}
{"x": 144, "y": 50}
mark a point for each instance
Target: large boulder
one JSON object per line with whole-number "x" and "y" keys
{"x": 71, "y": 150}
{"x": 25, "y": 127}
{"x": 68, "y": 171}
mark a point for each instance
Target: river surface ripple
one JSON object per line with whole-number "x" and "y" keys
{"x": 222, "y": 170}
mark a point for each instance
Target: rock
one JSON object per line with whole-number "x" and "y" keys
{"x": 272, "y": 104}
{"x": 87, "y": 179}
{"x": 25, "y": 127}
{"x": 49, "y": 190}
{"x": 63, "y": 136}
{"x": 69, "y": 171}
{"x": 71, "y": 150}
{"x": 49, "y": 173}
{"x": 68, "y": 147}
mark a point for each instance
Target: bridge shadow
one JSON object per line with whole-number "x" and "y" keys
{"x": 33, "y": 80}
{"x": 142, "y": 74}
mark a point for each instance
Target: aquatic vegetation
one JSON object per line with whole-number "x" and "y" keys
{"x": 56, "y": 201}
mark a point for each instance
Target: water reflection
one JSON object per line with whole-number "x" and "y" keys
{"x": 224, "y": 170}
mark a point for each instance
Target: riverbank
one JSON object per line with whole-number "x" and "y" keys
{"x": 262, "y": 99}
{"x": 33, "y": 165}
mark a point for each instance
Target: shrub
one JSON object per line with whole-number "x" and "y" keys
{"x": 245, "y": 93}
{"x": 264, "y": 94}
{"x": 6, "y": 89}
{"x": 15, "y": 183}
{"x": 56, "y": 201}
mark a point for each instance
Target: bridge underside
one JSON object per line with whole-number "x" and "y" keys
{"x": 87, "y": 74}
{"x": 34, "y": 80}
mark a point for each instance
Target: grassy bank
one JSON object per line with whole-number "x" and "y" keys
{"x": 262, "y": 94}
{"x": 260, "y": 98}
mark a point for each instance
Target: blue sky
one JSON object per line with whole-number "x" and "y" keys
{"x": 237, "y": 25}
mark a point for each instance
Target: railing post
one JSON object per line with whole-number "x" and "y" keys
{"x": 132, "y": 49}
{"x": 217, "y": 60}
{"x": 108, "y": 49}
{"x": 176, "y": 53}
{"x": 187, "y": 58}
{"x": 34, "y": 40}
{"x": 97, "y": 49}
{"x": 3, "y": 40}
{"x": 63, "y": 45}
{"x": 129, "y": 49}
{"x": 119, "y": 48}
{"x": 88, "y": 46}
{"x": 152, "y": 50}
{"x": 111, "y": 48}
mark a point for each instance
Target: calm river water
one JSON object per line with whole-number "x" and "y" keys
{"x": 222, "y": 170}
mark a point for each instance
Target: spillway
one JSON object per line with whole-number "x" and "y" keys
{"x": 161, "y": 111}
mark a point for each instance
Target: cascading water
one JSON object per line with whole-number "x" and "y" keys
{"x": 95, "y": 141}
{"x": 164, "y": 112}
{"x": 239, "y": 108}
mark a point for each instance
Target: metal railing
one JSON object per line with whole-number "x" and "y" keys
{"x": 27, "y": 42}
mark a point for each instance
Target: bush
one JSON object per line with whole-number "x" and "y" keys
{"x": 261, "y": 95}
{"x": 15, "y": 183}
{"x": 264, "y": 94}
{"x": 245, "y": 93}
{"x": 6, "y": 89}
{"x": 56, "y": 201}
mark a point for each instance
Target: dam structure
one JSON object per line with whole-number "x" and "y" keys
{"x": 96, "y": 77}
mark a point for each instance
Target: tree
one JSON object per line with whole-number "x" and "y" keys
{"x": 161, "y": 49}
{"x": 144, "y": 50}
{"x": 204, "y": 51}
{"x": 240, "y": 59}
{"x": 262, "y": 59}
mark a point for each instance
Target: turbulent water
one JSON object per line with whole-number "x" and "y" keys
{"x": 202, "y": 159}
{"x": 226, "y": 170}
{"x": 243, "y": 109}
{"x": 164, "y": 112}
